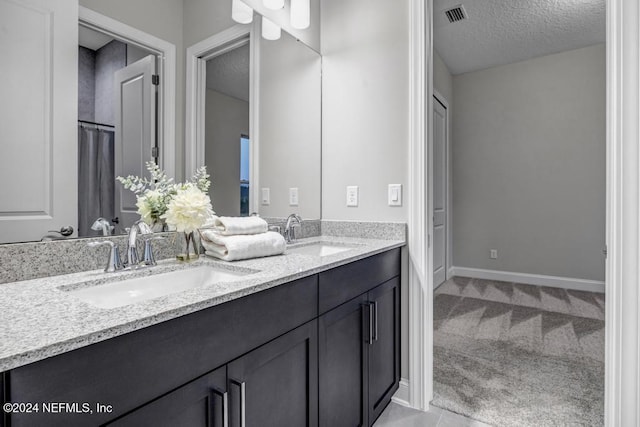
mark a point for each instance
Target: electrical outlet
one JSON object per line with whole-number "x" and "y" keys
{"x": 493, "y": 253}
{"x": 266, "y": 196}
{"x": 293, "y": 197}
{"x": 352, "y": 195}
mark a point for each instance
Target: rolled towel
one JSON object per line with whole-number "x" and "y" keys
{"x": 231, "y": 225}
{"x": 233, "y": 248}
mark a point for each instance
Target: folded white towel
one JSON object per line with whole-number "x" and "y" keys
{"x": 232, "y": 248}
{"x": 231, "y": 225}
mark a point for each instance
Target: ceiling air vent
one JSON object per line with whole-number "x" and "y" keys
{"x": 455, "y": 14}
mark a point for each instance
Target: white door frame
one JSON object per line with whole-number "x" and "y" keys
{"x": 449, "y": 179}
{"x": 166, "y": 69}
{"x": 195, "y": 102}
{"x": 622, "y": 324}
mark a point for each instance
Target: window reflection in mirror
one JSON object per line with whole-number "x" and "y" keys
{"x": 245, "y": 150}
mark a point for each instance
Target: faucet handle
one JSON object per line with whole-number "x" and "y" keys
{"x": 147, "y": 256}
{"x": 295, "y": 228}
{"x": 114, "y": 263}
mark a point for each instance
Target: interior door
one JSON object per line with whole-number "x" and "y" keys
{"x": 38, "y": 117}
{"x": 135, "y": 133}
{"x": 439, "y": 192}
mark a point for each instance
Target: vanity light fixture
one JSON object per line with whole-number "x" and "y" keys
{"x": 273, "y": 4}
{"x": 270, "y": 31}
{"x": 300, "y": 14}
{"x": 241, "y": 12}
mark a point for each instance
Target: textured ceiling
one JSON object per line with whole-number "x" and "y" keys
{"x": 499, "y": 32}
{"x": 229, "y": 73}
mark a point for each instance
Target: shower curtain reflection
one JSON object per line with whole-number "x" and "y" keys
{"x": 96, "y": 178}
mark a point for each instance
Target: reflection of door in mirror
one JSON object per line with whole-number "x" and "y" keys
{"x": 37, "y": 112}
{"x": 116, "y": 115}
{"x": 226, "y": 129}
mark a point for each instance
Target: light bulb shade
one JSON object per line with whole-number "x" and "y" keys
{"x": 241, "y": 12}
{"x": 273, "y": 4}
{"x": 300, "y": 14}
{"x": 270, "y": 31}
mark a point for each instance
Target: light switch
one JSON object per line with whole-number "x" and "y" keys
{"x": 266, "y": 196}
{"x": 293, "y": 197}
{"x": 395, "y": 194}
{"x": 352, "y": 195}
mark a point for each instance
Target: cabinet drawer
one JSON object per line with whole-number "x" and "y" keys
{"x": 134, "y": 368}
{"x": 341, "y": 284}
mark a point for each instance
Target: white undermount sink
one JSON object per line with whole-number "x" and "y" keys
{"x": 319, "y": 249}
{"x": 129, "y": 291}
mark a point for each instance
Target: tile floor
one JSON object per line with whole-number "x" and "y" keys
{"x": 399, "y": 416}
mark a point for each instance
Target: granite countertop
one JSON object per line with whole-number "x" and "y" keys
{"x": 40, "y": 318}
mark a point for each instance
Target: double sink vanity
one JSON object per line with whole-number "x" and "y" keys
{"x": 310, "y": 337}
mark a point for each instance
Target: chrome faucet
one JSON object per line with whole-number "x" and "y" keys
{"x": 139, "y": 227}
{"x": 289, "y": 229}
{"x": 103, "y": 225}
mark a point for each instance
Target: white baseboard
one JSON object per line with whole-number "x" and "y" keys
{"x": 402, "y": 395}
{"x": 531, "y": 279}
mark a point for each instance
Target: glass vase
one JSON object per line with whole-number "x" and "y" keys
{"x": 158, "y": 226}
{"x": 186, "y": 246}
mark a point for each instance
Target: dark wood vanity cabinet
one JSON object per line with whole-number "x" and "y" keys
{"x": 3, "y": 414}
{"x": 342, "y": 355}
{"x": 201, "y": 403}
{"x": 300, "y": 354}
{"x": 384, "y": 350}
{"x": 359, "y": 351}
{"x": 275, "y": 385}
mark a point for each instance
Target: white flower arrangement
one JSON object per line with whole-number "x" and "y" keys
{"x": 189, "y": 209}
{"x": 184, "y": 206}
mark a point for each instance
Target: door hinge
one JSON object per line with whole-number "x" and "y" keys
{"x": 155, "y": 79}
{"x": 605, "y": 252}
{"x": 154, "y": 152}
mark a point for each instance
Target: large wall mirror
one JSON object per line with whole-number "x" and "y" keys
{"x": 256, "y": 106}
{"x": 50, "y": 107}
{"x": 86, "y": 104}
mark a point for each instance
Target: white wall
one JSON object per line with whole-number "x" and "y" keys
{"x": 529, "y": 166}
{"x": 365, "y": 106}
{"x": 227, "y": 119}
{"x": 365, "y": 115}
{"x": 162, "y": 19}
{"x": 442, "y": 78}
{"x": 289, "y": 127}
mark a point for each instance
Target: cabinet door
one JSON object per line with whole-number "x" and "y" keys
{"x": 276, "y": 385}
{"x": 342, "y": 359}
{"x": 200, "y": 403}
{"x": 3, "y": 414}
{"x": 384, "y": 350}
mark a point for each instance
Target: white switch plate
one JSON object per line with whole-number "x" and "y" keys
{"x": 352, "y": 195}
{"x": 493, "y": 253}
{"x": 395, "y": 194}
{"x": 293, "y": 197}
{"x": 266, "y": 196}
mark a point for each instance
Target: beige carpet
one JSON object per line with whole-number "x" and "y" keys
{"x": 519, "y": 355}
